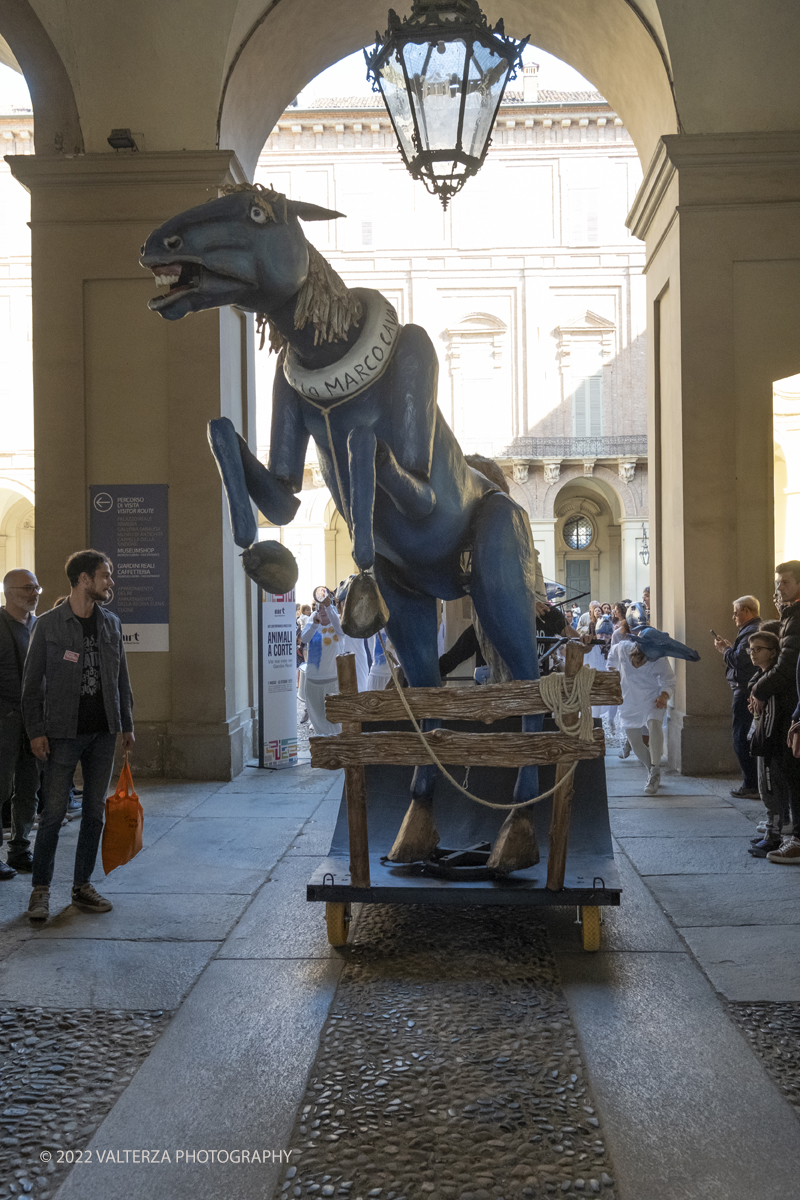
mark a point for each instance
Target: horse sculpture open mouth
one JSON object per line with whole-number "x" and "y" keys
{"x": 179, "y": 277}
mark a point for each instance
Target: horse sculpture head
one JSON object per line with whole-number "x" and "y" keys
{"x": 245, "y": 248}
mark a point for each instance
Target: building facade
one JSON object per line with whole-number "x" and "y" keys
{"x": 531, "y": 288}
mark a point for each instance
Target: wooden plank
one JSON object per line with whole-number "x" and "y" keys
{"x": 467, "y": 749}
{"x": 562, "y": 797}
{"x": 489, "y": 703}
{"x": 355, "y": 783}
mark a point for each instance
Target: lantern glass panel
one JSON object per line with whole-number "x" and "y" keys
{"x": 393, "y": 87}
{"x": 488, "y": 72}
{"x": 436, "y": 74}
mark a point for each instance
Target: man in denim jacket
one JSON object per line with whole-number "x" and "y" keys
{"x": 76, "y": 698}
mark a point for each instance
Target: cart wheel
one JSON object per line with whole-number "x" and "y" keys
{"x": 337, "y": 918}
{"x": 590, "y": 927}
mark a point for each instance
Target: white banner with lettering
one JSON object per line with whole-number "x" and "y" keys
{"x": 279, "y": 707}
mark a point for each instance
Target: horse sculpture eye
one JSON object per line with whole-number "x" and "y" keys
{"x": 258, "y": 215}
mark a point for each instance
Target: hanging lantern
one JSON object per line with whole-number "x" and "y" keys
{"x": 442, "y": 73}
{"x": 644, "y": 553}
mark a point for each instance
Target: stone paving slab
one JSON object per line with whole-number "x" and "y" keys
{"x": 644, "y": 803}
{"x": 172, "y": 802}
{"x": 227, "y": 1074}
{"x": 693, "y": 856}
{"x": 317, "y": 834}
{"x": 705, "y": 900}
{"x": 671, "y": 785}
{"x": 254, "y": 806}
{"x": 680, "y": 823}
{"x": 141, "y": 917}
{"x": 295, "y": 779}
{"x": 688, "y": 1111}
{"x": 280, "y": 922}
{"x": 219, "y": 842}
{"x": 750, "y": 962}
{"x": 84, "y": 973}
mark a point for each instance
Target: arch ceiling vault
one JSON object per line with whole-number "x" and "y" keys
{"x": 197, "y": 74}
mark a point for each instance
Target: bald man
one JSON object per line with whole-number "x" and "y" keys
{"x": 19, "y": 769}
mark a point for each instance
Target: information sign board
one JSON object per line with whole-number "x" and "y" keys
{"x": 129, "y": 523}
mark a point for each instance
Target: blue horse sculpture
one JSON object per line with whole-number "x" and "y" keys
{"x": 364, "y": 388}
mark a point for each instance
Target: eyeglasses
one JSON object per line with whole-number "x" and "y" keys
{"x": 27, "y": 587}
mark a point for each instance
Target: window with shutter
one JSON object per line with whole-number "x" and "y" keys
{"x": 587, "y": 406}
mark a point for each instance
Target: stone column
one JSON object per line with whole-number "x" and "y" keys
{"x": 122, "y": 396}
{"x": 720, "y": 217}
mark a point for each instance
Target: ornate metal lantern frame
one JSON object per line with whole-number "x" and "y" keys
{"x": 464, "y": 65}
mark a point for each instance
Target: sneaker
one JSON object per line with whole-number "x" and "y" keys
{"x": 788, "y": 853}
{"x": 74, "y": 808}
{"x": 625, "y": 751}
{"x": 39, "y": 907}
{"x": 744, "y": 793}
{"x": 88, "y": 900}
{"x": 6, "y": 872}
{"x": 304, "y": 717}
{"x": 653, "y": 782}
{"x": 765, "y": 846}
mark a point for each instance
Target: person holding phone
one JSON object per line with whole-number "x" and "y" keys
{"x": 739, "y": 671}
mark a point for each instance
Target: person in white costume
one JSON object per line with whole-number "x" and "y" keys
{"x": 646, "y": 690}
{"x": 380, "y": 672}
{"x": 323, "y": 637}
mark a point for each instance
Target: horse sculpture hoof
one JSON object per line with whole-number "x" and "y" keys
{"x": 418, "y": 836}
{"x": 516, "y": 847}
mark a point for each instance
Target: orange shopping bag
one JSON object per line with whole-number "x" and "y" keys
{"x": 122, "y": 832}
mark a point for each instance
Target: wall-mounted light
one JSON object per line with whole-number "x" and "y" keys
{"x": 121, "y": 139}
{"x": 644, "y": 553}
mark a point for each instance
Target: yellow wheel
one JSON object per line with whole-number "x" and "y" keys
{"x": 337, "y": 918}
{"x": 590, "y": 927}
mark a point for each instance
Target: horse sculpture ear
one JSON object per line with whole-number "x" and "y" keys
{"x": 311, "y": 212}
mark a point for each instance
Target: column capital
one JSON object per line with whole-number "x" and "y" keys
{"x": 122, "y": 186}
{"x": 718, "y": 169}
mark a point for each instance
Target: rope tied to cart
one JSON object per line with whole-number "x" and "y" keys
{"x": 561, "y": 703}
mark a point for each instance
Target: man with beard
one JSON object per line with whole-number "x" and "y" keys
{"x": 76, "y": 698}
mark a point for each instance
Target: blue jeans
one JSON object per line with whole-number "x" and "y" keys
{"x": 95, "y": 753}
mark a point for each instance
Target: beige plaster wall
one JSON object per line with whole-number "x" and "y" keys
{"x": 122, "y": 396}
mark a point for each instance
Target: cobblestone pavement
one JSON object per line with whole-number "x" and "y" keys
{"x": 773, "y": 1030}
{"x": 448, "y": 1068}
{"x": 61, "y": 1072}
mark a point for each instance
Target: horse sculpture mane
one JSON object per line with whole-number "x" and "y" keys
{"x": 324, "y": 300}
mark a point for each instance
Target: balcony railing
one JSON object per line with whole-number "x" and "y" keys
{"x": 625, "y": 446}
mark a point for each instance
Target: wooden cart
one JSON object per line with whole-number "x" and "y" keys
{"x": 577, "y": 859}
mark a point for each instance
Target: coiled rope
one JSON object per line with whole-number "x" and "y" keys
{"x": 561, "y": 703}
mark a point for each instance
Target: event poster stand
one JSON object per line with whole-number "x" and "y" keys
{"x": 277, "y": 674}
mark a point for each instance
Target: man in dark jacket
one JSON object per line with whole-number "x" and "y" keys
{"x": 781, "y": 680}
{"x": 739, "y": 670}
{"x": 76, "y": 698}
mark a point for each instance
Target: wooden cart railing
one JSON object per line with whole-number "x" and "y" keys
{"x": 353, "y": 750}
